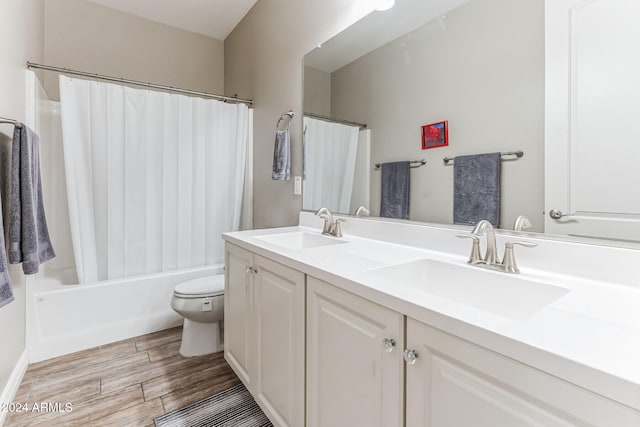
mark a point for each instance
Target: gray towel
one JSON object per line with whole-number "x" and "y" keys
{"x": 282, "y": 156}
{"x": 476, "y": 189}
{"x": 6, "y": 295}
{"x": 394, "y": 200}
{"x": 28, "y": 234}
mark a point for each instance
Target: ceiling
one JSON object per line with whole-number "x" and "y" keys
{"x": 211, "y": 18}
{"x": 375, "y": 30}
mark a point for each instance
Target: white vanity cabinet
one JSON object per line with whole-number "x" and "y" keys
{"x": 456, "y": 383}
{"x": 319, "y": 353}
{"x": 355, "y": 373}
{"x": 264, "y": 332}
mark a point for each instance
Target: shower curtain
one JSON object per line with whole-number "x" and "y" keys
{"x": 330, "y": 163}
{"x": 153, "y": 178}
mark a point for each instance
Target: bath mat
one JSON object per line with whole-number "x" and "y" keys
{"x": 233, "y": 407}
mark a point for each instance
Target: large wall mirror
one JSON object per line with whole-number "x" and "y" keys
{"x": 479, "y": 65}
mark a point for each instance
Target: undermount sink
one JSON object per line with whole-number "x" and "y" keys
{"x": 504, "y": 294}
{"x": 299, "y": 240}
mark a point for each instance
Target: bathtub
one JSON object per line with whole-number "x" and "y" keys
{"x": 63, "y": 318}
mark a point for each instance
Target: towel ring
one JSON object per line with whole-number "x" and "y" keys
{"x": 285, "y": 116}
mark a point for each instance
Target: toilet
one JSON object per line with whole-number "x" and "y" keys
{"x": 201, "y": 303}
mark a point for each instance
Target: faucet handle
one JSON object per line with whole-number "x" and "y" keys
{"x": 474, "y": 257}
{"x": 509, "y": 261}
{"x": 337, "y": 230}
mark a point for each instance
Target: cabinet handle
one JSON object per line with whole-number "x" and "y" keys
{"x": 389, "y": 344}
{"x": 255, "y": 271}
{"x": 249, "y": 269}
{"x": 410, "y": 356}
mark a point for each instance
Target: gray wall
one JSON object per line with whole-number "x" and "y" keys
{"x": 22, "y": 40}
{"x": 89, "y": 37}
{"x": 482, "y": 69}
{"x": 317, "y": 91}
{"x": 263, "y": 61}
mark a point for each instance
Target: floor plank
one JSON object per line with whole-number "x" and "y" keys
{"x": 208, "y": 368}
{"x": 164, "y": 352}
{"x": 138, "y": 415}
{"x": 72, "y": 361}
{"x": 183, "y": 397}
{"x": 158, "y": 339}
{"x": 125, "y": 383}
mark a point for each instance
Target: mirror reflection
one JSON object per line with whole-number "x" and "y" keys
{"x": 477, "y": 65}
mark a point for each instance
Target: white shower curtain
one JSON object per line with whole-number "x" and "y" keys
{"x": 153, "y": 178}
{"x": 330, "y": 162}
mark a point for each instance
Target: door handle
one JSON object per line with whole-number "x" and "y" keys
{"x": 557, "y": 214}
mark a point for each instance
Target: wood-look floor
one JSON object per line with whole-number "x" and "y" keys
{"x": 127, "y": 383}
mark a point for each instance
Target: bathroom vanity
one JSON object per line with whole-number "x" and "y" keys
{"x": 389, "y": 326}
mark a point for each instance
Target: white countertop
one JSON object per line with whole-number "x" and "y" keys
{"x": 590, "y": 336}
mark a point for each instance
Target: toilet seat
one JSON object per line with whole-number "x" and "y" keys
{"x": 208, "y": 286}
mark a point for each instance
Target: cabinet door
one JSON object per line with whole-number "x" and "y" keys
{"x": 238, "y": 332}
{"x": 279, "y": 329}
{"x": 455, "y": 383}
{"x": 351, "y": 380}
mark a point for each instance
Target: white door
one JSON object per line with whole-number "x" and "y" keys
{"x": 279, "y": 331}
{"x": 238, "y": 317}
{"x": 592, "y": 136}
{"x": 352, "y": 381}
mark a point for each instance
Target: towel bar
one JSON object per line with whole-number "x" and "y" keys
{"x": 518, "y": 154}
{"x": 414, "y": 164}
{"x": 11, "y": 121}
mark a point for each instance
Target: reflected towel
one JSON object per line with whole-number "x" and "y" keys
{"x": 476, "y": 189}
{"x": 28, "y": 234}
{"x": 394, "y": 200}
{"x": 282, "y": 156}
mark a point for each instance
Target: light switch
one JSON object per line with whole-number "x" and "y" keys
{"x": 297, "y": 185}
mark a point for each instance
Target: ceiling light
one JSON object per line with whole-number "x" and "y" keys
{"x": 385, "y": 4}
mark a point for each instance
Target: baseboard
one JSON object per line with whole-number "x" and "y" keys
{"x": 10, "y": 390}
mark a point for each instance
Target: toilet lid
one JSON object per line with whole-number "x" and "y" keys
{"x": 202, "y": 286}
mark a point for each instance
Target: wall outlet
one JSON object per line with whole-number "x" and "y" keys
{"x": 297, "y": 185}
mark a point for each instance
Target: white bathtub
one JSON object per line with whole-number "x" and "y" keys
{"x": 64, "y": 318}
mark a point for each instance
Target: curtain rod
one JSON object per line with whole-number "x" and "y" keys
{"x": 333, "y": 119}
{"x": 138, "y": 83}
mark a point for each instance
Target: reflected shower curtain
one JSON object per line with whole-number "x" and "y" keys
{"x": 330, "y": 162}
{"x": 153, "y": 178}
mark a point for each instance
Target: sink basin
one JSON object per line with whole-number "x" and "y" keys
{"x": 507, "y": 295}
{"x": 299, "y": 240}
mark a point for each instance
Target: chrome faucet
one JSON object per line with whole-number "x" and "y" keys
{"x": 490, "y": 259}
{"x": 328, "y": 219}
{"x": 521, "y": 222}
{"x": 331, "y": 227}
{"x": 362, "y": 211}
{"x": 485, "y": 227}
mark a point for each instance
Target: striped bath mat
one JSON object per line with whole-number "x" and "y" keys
{"x": 233, "y": 407}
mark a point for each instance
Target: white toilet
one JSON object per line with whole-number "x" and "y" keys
{"x": 201, "y": 303}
